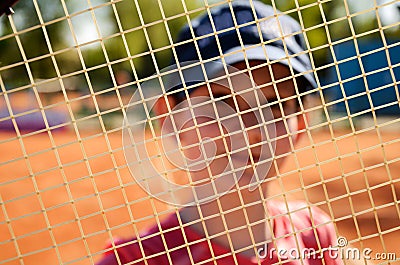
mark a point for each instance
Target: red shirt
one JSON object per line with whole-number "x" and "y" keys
{"x": 171, "y": 243}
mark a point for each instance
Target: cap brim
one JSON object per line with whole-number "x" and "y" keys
{"x": 265, "y": 53}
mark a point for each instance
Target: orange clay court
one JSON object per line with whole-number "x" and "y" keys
{"x": 62, "y": 197}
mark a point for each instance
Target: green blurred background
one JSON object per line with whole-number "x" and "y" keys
{"x": 101, "y": 47}
{"x": 107, "y": 33}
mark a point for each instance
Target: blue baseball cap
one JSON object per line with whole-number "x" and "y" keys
{"x": 260, "y": 33}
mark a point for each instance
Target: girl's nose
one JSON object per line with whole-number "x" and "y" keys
{"x": 253, "y": 133}
{"x": 254, "y": 137}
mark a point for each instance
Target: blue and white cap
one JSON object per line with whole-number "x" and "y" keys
{"x": 245, "y": 30}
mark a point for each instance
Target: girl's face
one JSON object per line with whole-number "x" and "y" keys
{"x": 235, "y": 139}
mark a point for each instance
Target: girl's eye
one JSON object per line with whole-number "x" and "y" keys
{"x": 226, "y": 98}
{"x": 288, "y": 107}
{"x": 276, "y": 110}
{"x": 221, "y": 96}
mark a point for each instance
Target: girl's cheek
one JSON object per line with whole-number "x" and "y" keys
{"x": 283, "y": 138}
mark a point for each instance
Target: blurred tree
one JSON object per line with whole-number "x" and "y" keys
{"x": 149, "y": 27}
{"x": 139, "y": 34}
{"x": 34, "y": 41}
{"x": 142, "y": 38}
